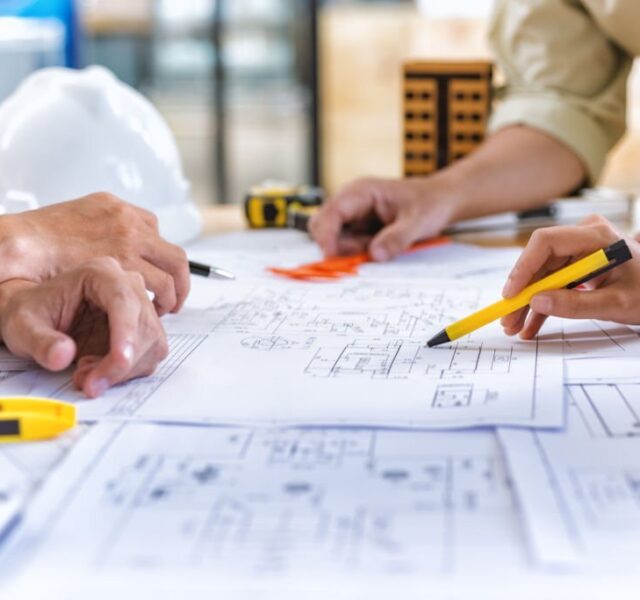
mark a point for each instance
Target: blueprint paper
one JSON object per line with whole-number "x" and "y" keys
{"x": 580, "y": 489}
{"x": 121, "y": 402}
{"x": 264, "y": 350}
{"x": 602, "y": 371}
{"x": 600, "y": 411}
{"x": 143, "y": 510}
{"x": 588, "y": 338}
{"x": 452, "y": 261}
{"x": 10, "y": 364}
{"x": 351, "y": 353}
{"x": 239, "y": 503}
{"x": 23, "y": 468}
{"x": 248, "y": 253}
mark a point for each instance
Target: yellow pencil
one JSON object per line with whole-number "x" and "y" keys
{"x": 571, "y": 276}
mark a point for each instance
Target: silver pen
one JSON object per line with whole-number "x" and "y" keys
{"x": 208, "y": 271}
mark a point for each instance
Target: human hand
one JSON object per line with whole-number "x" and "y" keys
{"x": 39, "y": 244}
{"x": 98, "y": 314}
{"x": 408, "y": 210}
{"x": 614, "y": 296}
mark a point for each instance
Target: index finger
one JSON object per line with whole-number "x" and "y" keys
{"x": 326, "y": 226}
{"x": 566, "y": 241}
{"x": 111, "y": 290}
{"x": 172, "y": 260}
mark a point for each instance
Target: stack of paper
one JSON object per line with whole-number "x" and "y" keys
{"x": 302, "y": 438}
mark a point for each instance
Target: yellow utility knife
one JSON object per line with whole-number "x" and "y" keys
{"x": 31, "y": 419}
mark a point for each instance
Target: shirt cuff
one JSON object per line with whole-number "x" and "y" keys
{"x": 568, "y": 124}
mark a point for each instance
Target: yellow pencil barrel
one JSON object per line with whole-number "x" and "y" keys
{"x": 555, "y": 281}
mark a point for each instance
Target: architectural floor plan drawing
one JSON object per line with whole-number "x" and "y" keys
{"x": 580, "y": 488}
{"x": 298, "y": 442}
{"x": 120, "y": 402}
{"x": 356, "y": 353}
{"x": 348, "y": 352}
{"x": 23, "y": 467}
{"x": 402, "y": 358}
{"x": 216, "y": 503}
{"x": 352, "y": 353}
{"x": 605, "y": 410}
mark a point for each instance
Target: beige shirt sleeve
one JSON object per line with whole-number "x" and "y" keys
{"x": 564, "y": 76}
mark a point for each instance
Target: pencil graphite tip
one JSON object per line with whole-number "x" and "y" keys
{"x": 440, "y": 338}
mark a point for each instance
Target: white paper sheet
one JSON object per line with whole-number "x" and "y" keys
{"x": 120, "y": 402}
{"x": 580, "y": 489}
{"x": 349, "y": 353}
{"x": 23, "y": 468}
{"x": 240, "y": 504}
{"x": 603, "y": 371}
{"x": 248, "y": 253}
{"x": 11, "y": 364}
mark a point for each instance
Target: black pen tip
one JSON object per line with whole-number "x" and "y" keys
{"x": 440, "y": 338}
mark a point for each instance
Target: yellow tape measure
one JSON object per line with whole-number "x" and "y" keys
{"x": 30, "y": 419}
{"x": 271, "y": 203}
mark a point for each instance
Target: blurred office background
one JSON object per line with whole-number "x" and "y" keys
{"x": 296, "y": 90}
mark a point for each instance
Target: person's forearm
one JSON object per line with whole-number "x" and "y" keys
{"x": 516, "y": 169}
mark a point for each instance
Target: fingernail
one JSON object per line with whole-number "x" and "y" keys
{"x": 127, "y": 352}
{"x": 379, "y": 254}
{"x": 541, "y": 304}
{"x": 100, "y": 387}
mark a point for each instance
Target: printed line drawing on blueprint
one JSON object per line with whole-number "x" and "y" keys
{"x": 592, "y": 338}
{"x": 23, "y": 467}
{"x": 276, "y": 342}
{"x": 331, "y": 380}
{"x": 607, "y": 410}
{"x": 11, "y": 365}
{"x": 381, "y": 309}
{"x": 604, "y": 396}
{"x": 404, "y": 359}
{"x": 371, "y": 309}
{"x": 580, "y": 496}
{"x": 400, "y": 358}
{"x": 228, "y": 502}
{"x": 119, "y": 402}
{"x": 280, "y": 335}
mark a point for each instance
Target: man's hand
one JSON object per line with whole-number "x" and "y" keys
{"x": 407, "y": 210}
{"x": 515, "y": 169}
{"x": 97, "y": 314}
{"x": 39, "y": 244}
{"x": 614, "y": 296}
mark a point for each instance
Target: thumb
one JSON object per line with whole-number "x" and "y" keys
{"x": 39, "y": 341}
{"x": 576, "y": 304}
{"x": 394, "y": 239}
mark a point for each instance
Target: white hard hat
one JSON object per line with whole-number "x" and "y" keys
{"x": 67, "y": 133}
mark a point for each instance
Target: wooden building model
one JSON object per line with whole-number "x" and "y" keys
{"x": 446, "y": 108}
